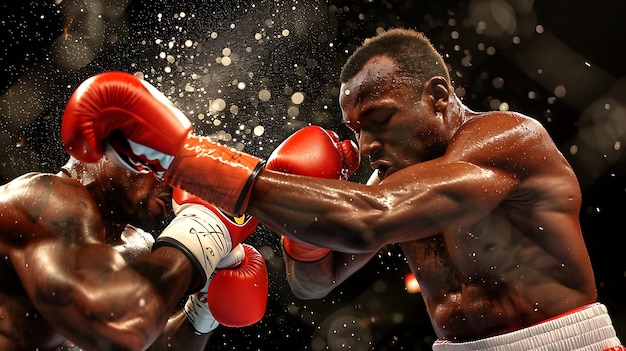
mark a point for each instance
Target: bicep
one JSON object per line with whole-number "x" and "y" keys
{"x": 432, "y": 197}
{"x": 89, "y": 287}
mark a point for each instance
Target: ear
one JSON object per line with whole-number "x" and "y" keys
{"x": 437, "y": 92}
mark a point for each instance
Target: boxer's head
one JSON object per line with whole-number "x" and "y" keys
{"x": 139, "y": 199}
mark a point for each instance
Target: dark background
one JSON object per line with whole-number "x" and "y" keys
{"x": 559, "y": 61}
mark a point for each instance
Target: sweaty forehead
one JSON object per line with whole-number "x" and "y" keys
{"x": 376, "y": 78}
{"x": 374, "y": 71}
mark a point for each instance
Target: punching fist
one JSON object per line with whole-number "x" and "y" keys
{"x": 203, "y": 232}
{"x": 313, "y": 151}
{"x": 125, "y": 117}
{"x": 235, "y": 296}
{"x": 130, "y": 120}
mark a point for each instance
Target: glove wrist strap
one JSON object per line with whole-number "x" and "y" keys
{"x": 200, "y": 235}
{"x": 214, "y": 172}
{"x": 302, "y": 252}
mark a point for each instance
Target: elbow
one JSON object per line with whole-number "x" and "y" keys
{"x": 130, "y": 333}
{"x": 362, "y": 239}
{"x": 308, "y": 294}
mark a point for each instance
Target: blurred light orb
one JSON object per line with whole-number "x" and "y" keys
{"x": 265, "y": 95}
{"x": 560, "y": 91}
{"x": 493, "y": 18}
{"x": 293, "y": 111}
{"x": 297, "y": 98}
{"x": 217, "y": 106}
{"x": 258, "y": 130}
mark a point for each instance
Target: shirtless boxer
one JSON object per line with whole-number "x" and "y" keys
{"x": 483, "y": 204}
{"x": 76, "y": 271}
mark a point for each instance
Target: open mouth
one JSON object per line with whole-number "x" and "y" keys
{"x": 382, "y": 171}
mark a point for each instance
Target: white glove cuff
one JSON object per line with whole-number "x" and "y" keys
{"x": 233, "y": 258}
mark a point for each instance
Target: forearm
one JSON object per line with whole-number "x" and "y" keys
{"x": 323, "y": 212}
{"x": 179, "y": 335}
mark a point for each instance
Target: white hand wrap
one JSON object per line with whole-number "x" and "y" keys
{"x": 200, "y": 235}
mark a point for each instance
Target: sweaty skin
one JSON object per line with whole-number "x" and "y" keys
{"x": 483, "y": 205}
{"x": 72, "y": 271}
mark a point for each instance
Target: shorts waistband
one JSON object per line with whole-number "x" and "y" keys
{"x": 586, "y": 329}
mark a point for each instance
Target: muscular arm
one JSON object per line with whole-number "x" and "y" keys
{"x": 483, "y": 165}
{"x": 55, "y": 240}
{"x": 413, "y": 203}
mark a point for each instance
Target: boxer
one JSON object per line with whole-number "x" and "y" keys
{"x": 77, "y": 266}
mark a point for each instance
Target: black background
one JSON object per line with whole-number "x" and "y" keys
{"x": 561, "y": 63}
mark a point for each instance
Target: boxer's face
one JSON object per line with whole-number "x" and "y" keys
{"x": 150, "y": 200}
{"x": 140, "y": 199}
{"x": 394, "y": 127}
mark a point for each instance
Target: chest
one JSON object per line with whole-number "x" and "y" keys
{"x": 477, "y": 251}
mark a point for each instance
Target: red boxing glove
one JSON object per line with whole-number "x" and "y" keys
{"x": 303, "y": 252}
{"x": 126, "y": 117}
{"x": 313, "y": 151}
{"x": 130, "y": 120}
{"x": 235, "y": 296}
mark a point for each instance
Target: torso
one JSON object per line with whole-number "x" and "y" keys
{"x": 520, "y": 265}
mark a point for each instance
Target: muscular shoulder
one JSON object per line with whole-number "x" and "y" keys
{"x": 41, "y": 205}
{"x": 35, "y": 190}
{"x": 504, "y": 140}
{"x": 502, "y": 127}
{"x": 520, "y": 147}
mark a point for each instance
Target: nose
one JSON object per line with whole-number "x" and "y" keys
{"x": 368, "y": 144}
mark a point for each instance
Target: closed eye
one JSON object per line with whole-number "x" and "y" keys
{"x": 378, "y": 116}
